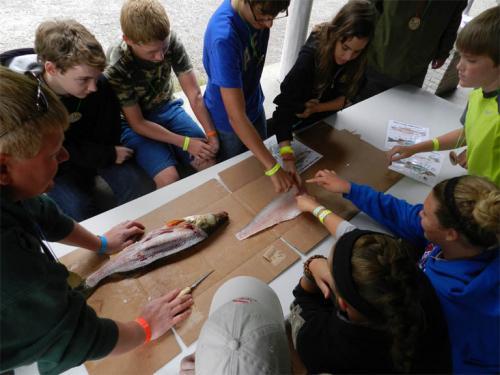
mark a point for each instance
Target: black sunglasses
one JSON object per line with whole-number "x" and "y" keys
{"x": 42, "y": 105}
{"x": 269, "y": 18}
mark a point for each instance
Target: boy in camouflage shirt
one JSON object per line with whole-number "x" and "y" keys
{"x": 156, "y": 126}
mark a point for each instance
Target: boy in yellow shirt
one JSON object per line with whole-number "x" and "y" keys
{"x": 479, "y": 66}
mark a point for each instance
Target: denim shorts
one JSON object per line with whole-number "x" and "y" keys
{"x": 155, "y": 156}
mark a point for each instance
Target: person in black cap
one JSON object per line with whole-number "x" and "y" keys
{"x": 367, "y": 307}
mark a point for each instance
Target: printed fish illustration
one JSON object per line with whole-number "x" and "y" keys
{"x": 282, "y": 208}
{"x": 175, "y": 236}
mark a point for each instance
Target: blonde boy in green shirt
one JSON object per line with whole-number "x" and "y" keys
{"x": 479, "y": 66}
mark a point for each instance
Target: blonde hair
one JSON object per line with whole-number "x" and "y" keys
{"x": 67, "y": 43}
{"x": 387, "y": 277}
{"x": 144, "y": 21}
{"x": 21, "y": 135}
{"x": 481, "y": 36}
{"x": 355, "y": 19}
{"x": 477, "y": 202}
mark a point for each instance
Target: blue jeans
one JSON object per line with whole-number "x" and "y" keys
{"x": 155, "y": 156}
{"x": 74, "y": 191}
{"x": 230, "y": 143}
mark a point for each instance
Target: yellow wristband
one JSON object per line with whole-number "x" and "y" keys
{"x": 435, "y": 144}
{"x": 186, "y": 143}
{"x": 323, "y": 214}
{"x": 286, "y": 150}
{"x": 273, "y": 170}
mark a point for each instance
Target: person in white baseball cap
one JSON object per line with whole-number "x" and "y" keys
{"x": 244, "y": 333}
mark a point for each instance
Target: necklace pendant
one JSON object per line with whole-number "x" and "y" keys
{"x": 414, "y": 23}
{"x": 74, "y": 117}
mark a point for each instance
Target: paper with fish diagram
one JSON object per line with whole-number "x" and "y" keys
{"x": 304, "y": 156}
{"x": 342, "y": 151}
{"x": 423, "y": 167}
{"x": 123, "y": 300}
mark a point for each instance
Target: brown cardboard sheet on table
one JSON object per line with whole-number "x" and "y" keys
{"x": 122, "y": 300}
{"x": 343, "y": 152}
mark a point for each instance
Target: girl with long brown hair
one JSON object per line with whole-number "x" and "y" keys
{"x": 326, "y": 73}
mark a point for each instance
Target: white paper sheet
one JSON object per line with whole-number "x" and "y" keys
{"x": 423, "y": 167}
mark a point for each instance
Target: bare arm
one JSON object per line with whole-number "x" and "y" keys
{"x": 315, "y": 106}
{"x": 190, "y": 86}
{"x": 149, "y": 129}
{"x": 161, "y": 314}
{"x": 118, "y": 237}
{"x": 155, "y": 131}
{"x": 448, "y": 141}
{"x": 308, "y": 203}
{"x": 234, "y": 103}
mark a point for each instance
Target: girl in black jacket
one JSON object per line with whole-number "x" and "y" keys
{"x": 325, "y": 75}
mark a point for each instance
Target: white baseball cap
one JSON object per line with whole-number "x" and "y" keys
{"x": 244, "y": 333}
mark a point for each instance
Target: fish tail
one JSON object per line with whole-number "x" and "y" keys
{"x": 84, "y": 289}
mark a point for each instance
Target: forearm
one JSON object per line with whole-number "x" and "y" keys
{"x": 201, "y": 112}
{"x": 152, "y": 130}
{"x": 332, "y": 105}
{"x": 446, "y": 141}
{"x": 81, "y": 237}
{"x": 130, "y": 336}
{"x": 245, "y": 130}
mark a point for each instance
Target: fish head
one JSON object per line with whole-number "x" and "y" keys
{"x": 208, "y": 222}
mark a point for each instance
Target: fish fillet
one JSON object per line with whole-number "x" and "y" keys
{"x": 176, "y": 236}
{"x": 282, "y": 208}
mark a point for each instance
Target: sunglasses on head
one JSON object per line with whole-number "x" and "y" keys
{"x": 41, "y": 103}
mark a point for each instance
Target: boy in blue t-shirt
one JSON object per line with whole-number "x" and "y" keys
{"x": 234, "y": 51}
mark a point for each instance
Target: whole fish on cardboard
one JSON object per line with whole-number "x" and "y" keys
{"x": 282, "y": 208}
{"x": 175, "y": 236}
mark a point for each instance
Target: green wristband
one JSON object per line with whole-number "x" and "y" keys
{"x": 186, "y": 143}
{"x": 273, "y": 170}
{"x": 286, "y": 150}
{"x": 323, "y": 215}
{"x": 435, "y": 144}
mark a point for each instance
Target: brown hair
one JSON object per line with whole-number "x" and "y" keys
{"x": 387, "y": 277}
{"x": 67, "y": 43}
{"x": 481, "y": 36}
{"x": 355, "y": 19}
{"x": 477, "y": 203}
{"x": 21, "y": 136}
{"x": 270, "y": 7}
{"x": 144, "y": 21}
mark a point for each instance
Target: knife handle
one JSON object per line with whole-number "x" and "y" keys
{"x": 184, "y": 291}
